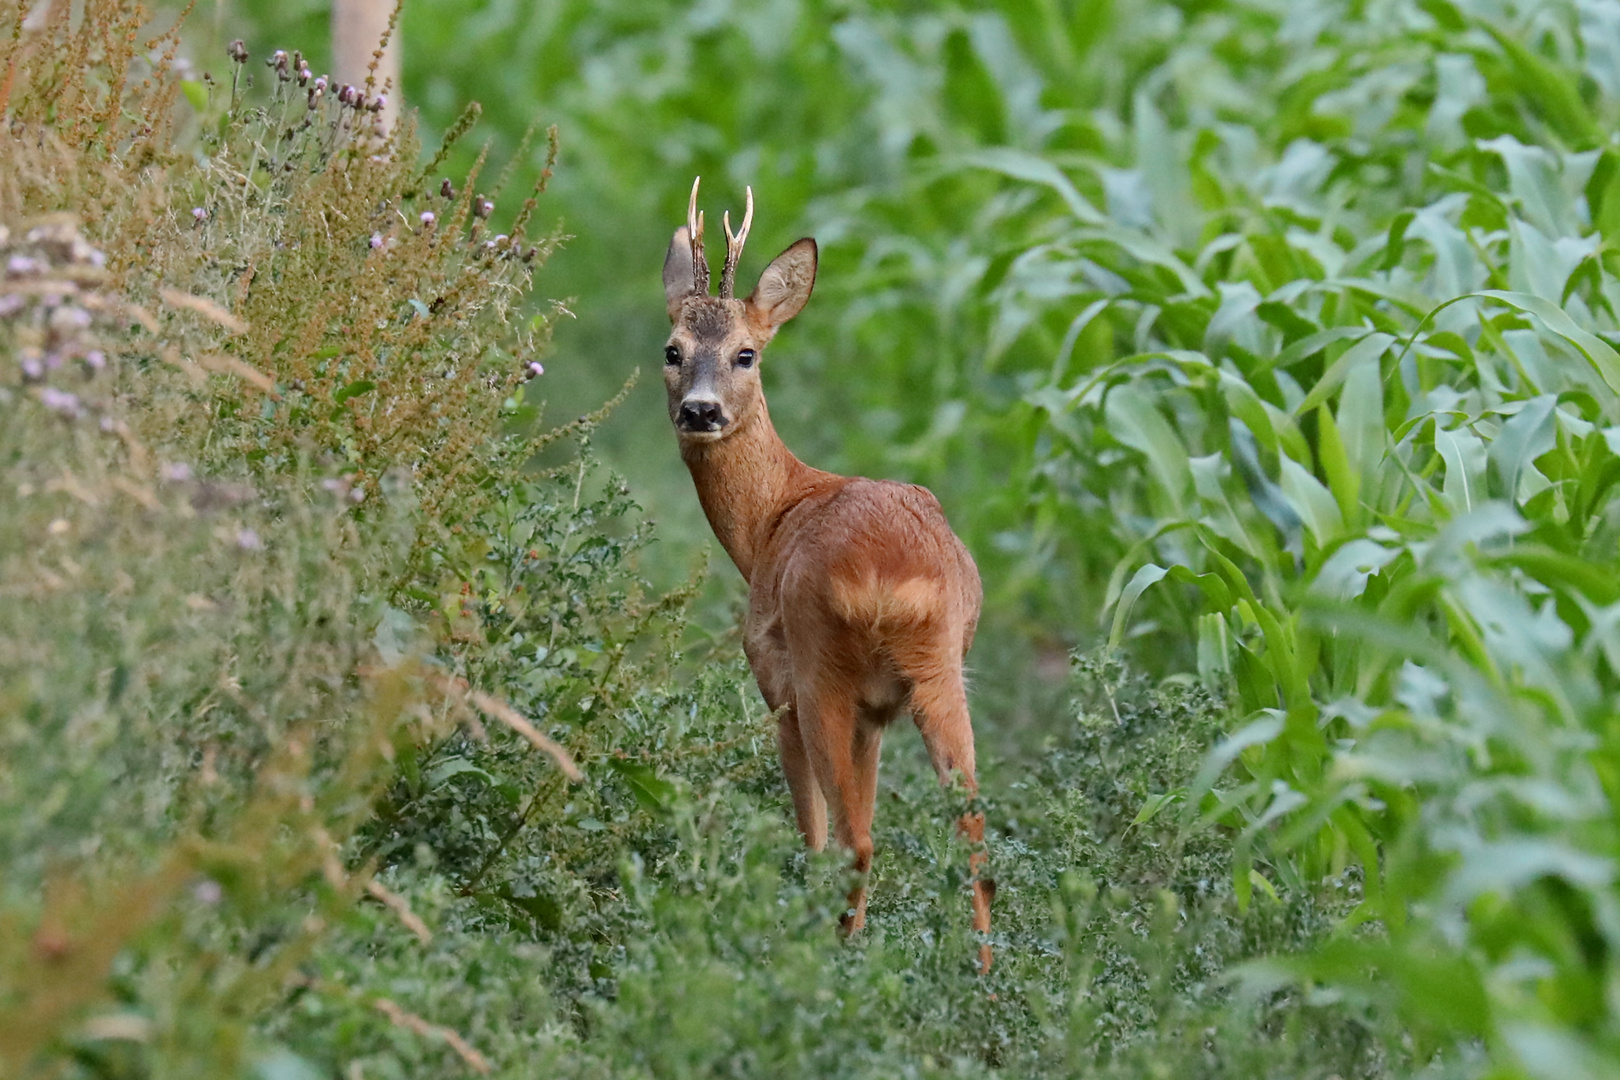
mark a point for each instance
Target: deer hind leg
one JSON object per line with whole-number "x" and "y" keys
{"x": 939, "y": 706}
{"x": 843, "y": 750}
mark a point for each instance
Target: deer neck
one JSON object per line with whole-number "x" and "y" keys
{"x": 746, "y": 481}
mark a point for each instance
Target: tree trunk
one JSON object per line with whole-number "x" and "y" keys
{"x": 357, "y": 29}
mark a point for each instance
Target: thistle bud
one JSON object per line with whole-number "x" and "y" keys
{"x": 379, "y": 103}
{"x": 482, "y": 207}
{"x": 447, "y": 189}
{"x": 237, "y": 51}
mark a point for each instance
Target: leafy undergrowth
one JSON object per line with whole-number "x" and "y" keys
{"x": 289, "y": 618}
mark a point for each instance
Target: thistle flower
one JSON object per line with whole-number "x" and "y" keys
{"x": 199, "y": 215}
{"x": 483, "y": 207}
{"x": 376, "y": 240}
{"x": 533, "y": 368}
{"x": 379, "y": 103}
{"x": 428, "y": 217}
{"x": 237, "y": 51}
{"x": 60, "y": 401}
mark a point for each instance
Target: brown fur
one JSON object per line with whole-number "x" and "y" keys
{"x": 862, "y": 601}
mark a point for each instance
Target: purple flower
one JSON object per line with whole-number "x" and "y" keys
{"x": 96, "y": 359}
{"x": 534, "y": 369}
{"x": 376, "y": 240}
{"x": 208, "y": 891}
{"x": 21, "y": 264}
{"x": 428, "y": 218}
{"x": 59, "y": 401}
{"x": 177, "y": 472}
{"x": 199, "y": 215}
{"x": 248, "y": 540}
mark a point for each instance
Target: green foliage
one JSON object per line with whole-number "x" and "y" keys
{"x": 1281, "y": 335}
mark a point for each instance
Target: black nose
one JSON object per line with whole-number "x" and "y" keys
{"x": 701, "y": 415}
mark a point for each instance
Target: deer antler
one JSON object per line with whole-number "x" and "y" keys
{"x": 734, "y": 246}
{"x": 694, "y": 229}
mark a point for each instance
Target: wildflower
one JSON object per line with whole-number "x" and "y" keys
{"x": 534, "y": 369}
{"x": 176, "y": 472}
{"x": 376, "y": 240}
{"x": 237, "y": 51}
{"x": 95, "y": 359}
{"x": 357, "y": 495}
{"x": 428, "y": 218}
{"x": 21, "y": 264}
{"x": 483, "y": 207}
{"x": 208, "y": 891}
{"x": 10, "y": 304}
{"x": 303, "y": 73}
{"x": 60, "y": 401}
{"x": 447, "y": 189}
{"x": 278, "y": 60}
{"x": 33, "y": 370}
{"x": 199, "y": 215}
{"x": 500, "y": 240}
{"x": 379, "y": 103}
{"x": 320, "y": 84}
{"x": 248, "y": 540}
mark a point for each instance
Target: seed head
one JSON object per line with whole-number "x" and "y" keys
{"x": 237, "y": 51}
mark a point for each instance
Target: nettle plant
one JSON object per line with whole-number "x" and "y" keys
{"x": 1335, "y": 375}
{"x": 248, "y": 395}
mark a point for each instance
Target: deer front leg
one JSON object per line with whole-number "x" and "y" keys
{"x": 844, "y": 752}
{"x": 809, "y": 807}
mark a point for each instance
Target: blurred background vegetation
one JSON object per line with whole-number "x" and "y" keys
{"x": 1269, "y": 347}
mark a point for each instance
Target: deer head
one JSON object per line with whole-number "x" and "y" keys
{"x": 711, "y": 362}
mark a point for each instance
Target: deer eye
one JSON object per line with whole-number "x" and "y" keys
{"x": 745, "y": 358}
{"x": 672, "y": 355}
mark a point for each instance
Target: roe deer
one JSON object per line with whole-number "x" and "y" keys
{"x": 862, "y": 602}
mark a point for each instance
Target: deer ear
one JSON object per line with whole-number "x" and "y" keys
{"x": 784, "y": 287}
{"x": 678, "y": 280}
